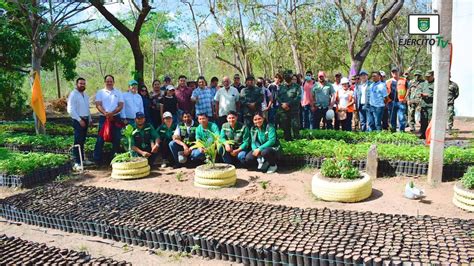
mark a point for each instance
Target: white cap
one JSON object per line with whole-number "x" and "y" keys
{"x": 167, "y": 114}
{"x": 344, "y": 80}
{"x": 382, "y": 73}
{"x": 169, "y": 87}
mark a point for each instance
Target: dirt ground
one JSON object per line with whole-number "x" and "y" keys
{"x": 292, "y": 188}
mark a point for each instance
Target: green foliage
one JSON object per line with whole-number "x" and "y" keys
{"x": 12, "y": 100}
{"x": 13, "y": 163}
{"x": 29, "y": 127}
{"x": 122, "y": 157}
{"x": 126, "y": 156}
{"x": 334, "y": 168}
{"x": 468, "y": 178}
{"x": 211, "y": 146}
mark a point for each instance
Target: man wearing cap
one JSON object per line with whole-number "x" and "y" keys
{"x": 426, "y": 102}
{"x": 239, "y": 134}
{"x": 145, "y": 140}
{"x": 166, "y": 82}
{"x": 203, "y": 133}
{"x": 453, "y": 94}
{"x": 397, "y": 89}
{"x": 251, "y": 99}
{"x": 227, "y": 100}
{"x": 203, "y": 98}
{"x": 323, "y": 94}
{"x": 289, "y": 97}
{"x": 183, "y": 95}
{"x": 78, "y": 109}
{"x": 165, "y": 134}
{"x": 413, "y": 98}
{"x": 109, "y": 102}
{"x": 237, "y": 83}
{"x": 377, "y": 95}
{"x": 183, "y": 138}
{"x": 361, "y": 95}
{"x": 133, "y": 103}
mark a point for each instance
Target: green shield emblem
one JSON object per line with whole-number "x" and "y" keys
{"x": 423, "y": 24}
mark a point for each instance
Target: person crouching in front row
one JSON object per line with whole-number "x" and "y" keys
{"x": 239, "y": 134}
{"x": 145, "y": 140}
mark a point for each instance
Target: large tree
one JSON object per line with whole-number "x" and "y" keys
{"x": 140, "y": 13}
{"x": 374, "y": 20}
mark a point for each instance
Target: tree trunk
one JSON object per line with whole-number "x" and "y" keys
{"x": 153, "y": 65}
{"x": 296, "y": 58}
{"x": 36, "y": 67}
{"x": 139, "y": 59}
{"x": 198, "y": 56}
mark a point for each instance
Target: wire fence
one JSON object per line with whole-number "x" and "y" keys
{"x": 234, "y": 250}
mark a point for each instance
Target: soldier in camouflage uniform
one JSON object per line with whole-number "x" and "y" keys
{"x": 413, "y": 98}
{"x": 453, "y": 94}
{"x": 251, "y": 98}
{"x": 289, "y": 96}
{"x": 426, "y": 103}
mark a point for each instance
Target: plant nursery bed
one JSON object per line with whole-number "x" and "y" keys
{"x": 16, "y": 251}
{"x": 244, "y": 232}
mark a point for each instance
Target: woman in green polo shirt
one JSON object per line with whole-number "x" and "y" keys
{"x": 264, "y": 144}
{"x": 165, "y": 132}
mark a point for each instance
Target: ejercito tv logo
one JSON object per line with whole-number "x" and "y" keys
{"x": 423, "y": 24}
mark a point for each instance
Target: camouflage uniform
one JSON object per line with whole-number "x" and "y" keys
{"x": 453, "y": 94}
{"x": 289, "y": 120}
{"x": 414, "y": 99}
{"x": 426, "y": 104}
{"x": 250, "y": 95}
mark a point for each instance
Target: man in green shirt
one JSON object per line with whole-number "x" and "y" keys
{"x": 426, "y": 102}
{"x": 183, "y": 138}
{"x": 251, "y": 98}
{"x": 289, "y": 97}
{"x": 165, "y": 133}
{"x": 144, "y": 139}
{"x": 203, "y": 133}
{"x": 413, "y": 98}
{"x": 453, "y": 94}
{"x": 323, "y": 95}
{"x": 239, "y": 134}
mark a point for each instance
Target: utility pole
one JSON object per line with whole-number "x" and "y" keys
{"x": 441, "y": 66}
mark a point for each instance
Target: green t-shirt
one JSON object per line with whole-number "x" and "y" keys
{"x": 240, "y": 135}
{"x": 203, "y": 134}
{"x": 264, "y": 138}
{"x": 322, "y": 94}
{"x": 166, "y": 133}
{"x": 142, "y": 137}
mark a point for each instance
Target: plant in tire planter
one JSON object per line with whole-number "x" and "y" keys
{"x": 212, "y": 175}
{"x": 125, "y": 165}
{"x": 464, "y": 191}
{"x": 339, "y": 181}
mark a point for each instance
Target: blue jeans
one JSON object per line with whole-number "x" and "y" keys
{"x": 197, "y": 155}
{"x": 306, "y": 117}
{"x": 116, "y": 136}
{"x": 364, "y": 117}
{"x": 376, "y": 113}
{"x": 397, "y": 110}
{"x": 174, "y": 149}
{"x": 80, "y": 134}
{"x": 227, "y": 158}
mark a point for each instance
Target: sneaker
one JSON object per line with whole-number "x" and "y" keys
{"x": 260, "y": 161}
{"x": 164, "y": 163}
{"x": 87, "y": 163}
{"x": 77, "y": 167}
{"x": 272, "y": 169}
{"x": 265, "y": 166}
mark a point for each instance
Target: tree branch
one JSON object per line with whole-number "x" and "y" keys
{"x": 229, "y": 63}
{"x": 124, "y": 30}
{"x": 146, "y": 8}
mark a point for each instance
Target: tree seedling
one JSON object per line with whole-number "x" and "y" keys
{"x": 180, "y": 176}
{"x": 264, "y": 184}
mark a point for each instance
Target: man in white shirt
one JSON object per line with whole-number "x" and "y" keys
{"x": 133, "y": 103}
{"x": 226, "y": 99}
{"x": 109, "y": 102}
{"x": 78, "y": 109}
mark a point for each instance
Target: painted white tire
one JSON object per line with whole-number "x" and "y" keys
{"x": 123, "y": 177}
{"x": 137, "y": 163}
{"x": 460, "y": 190}
{"x": 203, "y": 171}
{"x": 349, "y": 191}
{"x": 135, "y": 171}
{"x": 216, "y": 182}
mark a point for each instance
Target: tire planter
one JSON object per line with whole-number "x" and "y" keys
{"x": 138, "y": 168}
{"x": 345, "y": 191}
{"x": 222, "y": 175}
{"x": 463, "y": 198}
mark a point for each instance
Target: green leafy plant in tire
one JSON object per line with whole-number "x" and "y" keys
{"x": 334, "y": 168}
{"x": 126, "y": 156}
{"x": 211, "y": 147}
{"x": 467, "y": 179}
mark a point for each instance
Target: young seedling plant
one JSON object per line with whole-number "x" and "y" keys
{"x": 211, "y": 147}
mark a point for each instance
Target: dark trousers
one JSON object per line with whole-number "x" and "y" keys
{"x": 165, "y": 150}
{"x": 385, "y": 117}
{"x": 80, "y": 134}
{"x": 337, "y": 122}
{"x": 269, "y": 154}
{"x": 289, "y": 122}
{"x": 346, "y": 124}
{"x": 320, "y": 114}
{"x": 116, "y": 136}
{"x": 425, "y": 118}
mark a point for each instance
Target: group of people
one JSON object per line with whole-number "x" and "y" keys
{"x": 169, "y": 119}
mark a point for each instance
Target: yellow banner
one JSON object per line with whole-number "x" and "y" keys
{"x": 37, "y": 101}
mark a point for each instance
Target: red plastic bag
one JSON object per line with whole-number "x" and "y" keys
{"x": 106, "y": 131}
